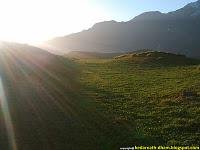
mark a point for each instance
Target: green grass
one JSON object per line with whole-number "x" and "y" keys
{"x": 146, "y": 97}
{"x": 58, "y": 104}
{"x": 48, "y": 108}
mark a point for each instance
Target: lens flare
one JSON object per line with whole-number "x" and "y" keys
{"x": 7, "y": 118}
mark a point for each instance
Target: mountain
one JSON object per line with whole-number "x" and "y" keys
{"x": 176, "y": 32}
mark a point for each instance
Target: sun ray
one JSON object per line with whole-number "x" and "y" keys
{"x": 7, "y": 118}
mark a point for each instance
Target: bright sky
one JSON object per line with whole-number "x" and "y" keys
{"x": 38, "y": 20}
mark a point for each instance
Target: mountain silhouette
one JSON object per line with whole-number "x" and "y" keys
{"x": 176, "y": 32}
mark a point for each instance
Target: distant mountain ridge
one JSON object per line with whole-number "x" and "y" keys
{"x": 176, "y": 32}
{"x": 91, "y": 55}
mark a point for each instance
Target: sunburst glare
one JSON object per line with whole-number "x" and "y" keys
{"x": 7, "y": 117}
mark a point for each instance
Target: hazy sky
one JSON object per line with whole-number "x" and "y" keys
{"x": 38, "y": 20}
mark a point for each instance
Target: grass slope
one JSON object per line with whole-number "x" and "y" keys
{"x": 146, "y": 96}
{"x": 157, "y": 58}
{"x": 46, "y": 106}
{"x": 56, "y": 104}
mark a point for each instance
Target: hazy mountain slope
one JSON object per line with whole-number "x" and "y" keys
{"x": 90, "y": 55}
{"x": 176, "y": 32}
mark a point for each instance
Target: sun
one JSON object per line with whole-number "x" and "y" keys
{"x": 32, "y": 21}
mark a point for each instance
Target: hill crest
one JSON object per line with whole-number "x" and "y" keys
{"x": 157, "y": 57}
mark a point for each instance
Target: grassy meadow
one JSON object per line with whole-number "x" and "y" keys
{"x": 146, "y": 97}
{"x": 57, "y": 103}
